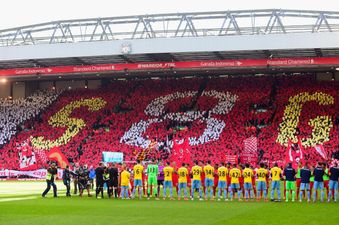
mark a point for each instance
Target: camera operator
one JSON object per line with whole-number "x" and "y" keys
{"x": 66, "y": 178}
{"x": 52, "y": 172}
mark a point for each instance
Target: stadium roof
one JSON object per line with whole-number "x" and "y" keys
{"x": 200, "y": 24}
{"x": 242, "y": 34}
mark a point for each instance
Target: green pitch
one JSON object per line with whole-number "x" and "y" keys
{"x": 19, "y": 206}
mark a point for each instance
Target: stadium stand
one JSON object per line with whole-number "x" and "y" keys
{"x": 14, "y": 113}
{"x": 215, "y": 114}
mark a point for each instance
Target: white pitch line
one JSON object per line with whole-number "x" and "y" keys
{"x": 16, "y": 199}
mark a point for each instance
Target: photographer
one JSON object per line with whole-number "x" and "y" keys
{"x": 66, "y": 178}
{"x": 83, "y": 180}
{"x": 51, "y": 175}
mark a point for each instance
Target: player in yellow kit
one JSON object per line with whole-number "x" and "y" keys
{"x": 125, "y": 179}
{"x": 138, "y": 171}
{"x": 183, "y": 172}
{"x": 209, "y": 179}
{"x": 168, "y": 183}
{"x": 222, "y": 183}
{"x": 196, "y": 180}
{"x": 262, "y": 174}
{"x": 235, "y": 174}
{"x": 275, "y": 176}
{"x": 247, "y": 173}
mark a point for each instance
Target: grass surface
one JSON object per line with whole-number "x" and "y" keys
{"x": 93, "y": 211}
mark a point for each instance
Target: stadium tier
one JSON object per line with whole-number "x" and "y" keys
{"x": 220, "y": 118}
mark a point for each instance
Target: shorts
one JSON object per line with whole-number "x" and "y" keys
{"x": 235, "y": 185}
{"x": 333, "y": 185}
{"x": 326, "y": 183}
{"x": 182, "y": 185}
{"x": 196, "y": 184}
{"x": 168, "y": 184}
{"x": 160, "y": 182}
{"x": 298, "y": 181}
{"x": 311, "y": 184}
{"x": 113, "y": 182}
{"x": 290, "y": 185}
{"x": 275, "y": 184}
{"x": 304, "y": 186}
{"x": 99, "y": 183}
{"x": 261, "y": 185}
{"x": 137, "y": 182}
{"x": 247, "y": 185}
{"x": 82, "y": 184}
{"x": 222, "y": 184}
{"x": 209, "y": 182}
{"x": 318, "y": 185}
{"x": 152, "y": 180}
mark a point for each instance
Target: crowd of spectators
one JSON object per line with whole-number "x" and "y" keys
{"x": 13, "y": 113}
{"x": 216, "y": 115}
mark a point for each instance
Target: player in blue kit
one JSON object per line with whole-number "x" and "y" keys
{"x": 305, "y": 175}
{"x": 318, "y": 182}
{"x": 333, "y": 185}
{"x": 289, "y": 174}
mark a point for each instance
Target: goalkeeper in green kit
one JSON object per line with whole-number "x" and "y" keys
{"x": 152, "y": 172}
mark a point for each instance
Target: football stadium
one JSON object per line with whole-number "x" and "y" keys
{"x": 216, "y": 117}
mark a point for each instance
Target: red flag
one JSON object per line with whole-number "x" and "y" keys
{"x": 294, "y": 153}
{"x": 232, "y": 159}
{"x": 181, "y": 152}
{"x": 27, "y": 160}
{"x": 55, "y": 154}
{"x": 250, "y": 153}
{"x": 320, "y": 149}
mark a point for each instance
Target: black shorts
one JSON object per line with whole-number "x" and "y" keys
{"x": 160, "y": 182}
{"x": 113, "y": 183}
{"x": 82, "y": 185}
{"x": 99, "y": 183}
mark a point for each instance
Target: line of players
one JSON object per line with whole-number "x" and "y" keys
{"x": 231, "y": 180}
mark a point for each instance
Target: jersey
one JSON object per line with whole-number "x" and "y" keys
{"x": 125, "y": 176}
{"x": 334, "y": 173}
{"x": 289, "y": 174}
{"x": 318, "y": 174}
{"x": 305, "y": 175}
{"x": 247, "y": 173}
{"x": 276, "y": 173}
{"x": 262, "y": 174}
{"x": 209, "y": 172}
{"x": 138, "y": 169}
{"x": 168, "y": 171}
{"x": 222, "y": 173}
{"x": 235, "y": 174}
{"x": 152, "y": 170}
{"x": 326, "y": 176}
{"x": 182, "y": 171}
{"x": 298, "y": 173}
{"x": 196, "y": 172}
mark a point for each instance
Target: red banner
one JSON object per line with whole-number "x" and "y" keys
{"x": 204, "y": 64}
{"x": 233, "y": 159}
{"x": 181, "y": 152}
{"x": 250, "y": 153}
{"x": 294, "y": 153}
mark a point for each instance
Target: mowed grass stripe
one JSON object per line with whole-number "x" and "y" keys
{"x": 86, "y": 210}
